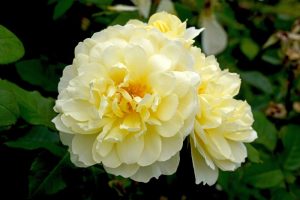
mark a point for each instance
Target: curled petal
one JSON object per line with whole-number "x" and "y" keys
{"x": 203, "y": 173}
{"x": 144, "y": 174}
{"x": 124, "y": 170}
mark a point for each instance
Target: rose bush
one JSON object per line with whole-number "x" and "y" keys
{"x": 133, "y": 93}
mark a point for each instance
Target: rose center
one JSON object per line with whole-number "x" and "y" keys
{"x": 136, "y": 90}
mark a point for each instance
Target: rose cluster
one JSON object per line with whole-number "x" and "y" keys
{"x": 134, "y": 93}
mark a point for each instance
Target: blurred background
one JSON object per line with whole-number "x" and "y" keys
{"x": 258, "y": 39}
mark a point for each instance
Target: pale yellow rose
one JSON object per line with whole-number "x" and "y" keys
{"x": 171, "y": 26}
{"x": 222, "y": 123}
{"x": 128, "y": 101}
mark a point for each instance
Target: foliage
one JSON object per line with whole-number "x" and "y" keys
{"x": 263, "y": 47}
{"x": 11, "y": 48}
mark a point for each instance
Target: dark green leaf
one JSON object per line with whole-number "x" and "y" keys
{"x": 39, "y": 137}
{"x": 291, "y": 142}
{"x": 249, "y": 48}
{"x": 124, "y": 17}
{"x": 227, "y": 17}
{"x": 35, "y": 73}
{"x": 272, "y": 56}
{"x": 258, "y": 80}
{"x": 183, "y": 11}
{"x": 9, "y": 110}
{"x": 98, "y": 2}
{"x": 253, "y": 154}
{"x": 11, "y": 48}
{"x": 46, "y": 178}
{"x": 266, "y": 131}
{"x": 61, "y": 8}
{"x": 266, "y": 179}
{"x": 265, "y": 175}
{"x": 289, "y": 177}
{"x": 295, "y": 191}
{"x": 282, "y": 8}
{"x": 200, "y": 4}
{"x": 232, "y": 184}
{"x": 281, "y": 194}
{"x": 52, "y": 1}
{"x": 34, "y": 108}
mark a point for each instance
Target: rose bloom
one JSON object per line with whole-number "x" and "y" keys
{"x": 171, "y": 26}
{"x": 128, "y": 101}
{"x": 222, "y": 123}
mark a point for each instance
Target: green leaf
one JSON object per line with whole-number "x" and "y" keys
{"x": 124, "y": 17}
{"x": 291, "y": 142}
{"x": 289, "y": 177}
{"x": 46, "y": 178}
{"x": 227, "y": 17}
{"x": 98, "y": 2}
{"x": 265, "y": 175}
{"x": 295, "y": 190}
{"x": 61, "y": 8}
{"x": 9, "y": 110}
{"x": 34, "y": 108}
{"x": 232, "y": 184}
{"x": 281, "y": 194}
{"x": 253, "y": 154}
{"x": 11, "y": 48}
{"x": 249, "y": 48}
{"x": 273, "y": 39}
{"x": 258, "y": 80}
{"x": 35, "y": 73}
{"x": 272, "y": 56}
{"x": 282, "y": 8}
{"x": 200, "y": 4}
{"x": 266, "y": 179}
{"x": 39, "y": 137}
{"x": 266, "y": 131}
{"x": 183, "y": 11}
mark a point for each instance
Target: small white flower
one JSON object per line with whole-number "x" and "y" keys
{"x": 214, "y": 37}
{"x": 143, "y": 7}
{"x": 167, "y": 6}
{"x": 121, "y": 8}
